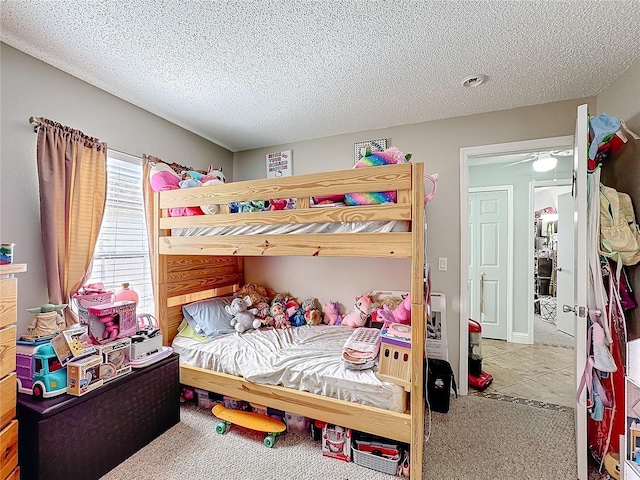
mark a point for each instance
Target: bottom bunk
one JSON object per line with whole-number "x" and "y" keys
{"x": 297, "y": 370}
{"x": 383, "y": 409}
{"x": 372, "y": 406}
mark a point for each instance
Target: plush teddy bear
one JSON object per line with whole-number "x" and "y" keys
{"x": 243, "y": 318}
{"x": 255, "y": 293}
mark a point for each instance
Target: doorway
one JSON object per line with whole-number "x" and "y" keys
{"x": 488, "y": 166}
{"x": 552, "y": 220}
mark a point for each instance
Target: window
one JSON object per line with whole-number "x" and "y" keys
{"x": 122, "y": 252}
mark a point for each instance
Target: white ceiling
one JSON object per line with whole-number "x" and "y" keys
{"x": 247, "y": 74}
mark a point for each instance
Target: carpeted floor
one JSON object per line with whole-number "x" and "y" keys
{"x": 479, "y": 439}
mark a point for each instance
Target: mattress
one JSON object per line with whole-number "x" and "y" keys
{"x": 384, "y": 226}
{"x": 306, "y": 358}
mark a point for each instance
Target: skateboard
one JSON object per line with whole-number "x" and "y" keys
{"x": 251, "y": 420}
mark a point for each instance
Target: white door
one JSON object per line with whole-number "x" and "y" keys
{"x": 565, "y": 321}
{"x": 580, "y": 276}
{"x": 489, "y": 254}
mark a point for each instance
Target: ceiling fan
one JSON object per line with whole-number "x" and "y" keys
{"x": 543, "y": 161}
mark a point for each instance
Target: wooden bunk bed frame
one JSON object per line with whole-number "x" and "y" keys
{"x": 188, "y": 269}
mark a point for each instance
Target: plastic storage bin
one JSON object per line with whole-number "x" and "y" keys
{"x": 375, "y": 462}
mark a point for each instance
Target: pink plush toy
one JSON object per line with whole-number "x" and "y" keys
{"x": 277, "y": 203}
{"x": 360, "y": 313}
{"x": 402, "y": 312}
{"x": 332, "y": 313}
{"x": 110, "y": 327}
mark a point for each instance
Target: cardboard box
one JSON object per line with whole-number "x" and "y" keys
{"x": 112, "y": 320}
{"x": 72, "y": 343}
{"x": 83, "y": 375}
{"x": 115, "y": 359}
{"x": 336, "y": 442}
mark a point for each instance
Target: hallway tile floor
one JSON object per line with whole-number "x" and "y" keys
{"x": 544, "y": 373}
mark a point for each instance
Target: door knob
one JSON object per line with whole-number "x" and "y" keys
{"x": 569, "y": 309}
{"x": 559, "y": 269}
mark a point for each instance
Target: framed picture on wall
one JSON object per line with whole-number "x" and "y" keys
{"x": 375, "y": 146}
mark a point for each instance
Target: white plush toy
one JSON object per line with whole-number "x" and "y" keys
{"x": 243, "y": 318}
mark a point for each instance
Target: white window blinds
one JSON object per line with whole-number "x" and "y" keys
{"x": 122, "y": 252}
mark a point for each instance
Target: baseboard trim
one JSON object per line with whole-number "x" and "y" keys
{"x": 518, "y": 337}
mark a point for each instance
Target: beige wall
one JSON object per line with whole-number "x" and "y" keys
{"x": 622, "y": 98}
{"x": 32, "y": 88}
{"x": 437, "y": 144}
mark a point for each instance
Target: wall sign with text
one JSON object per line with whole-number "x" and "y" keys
{"x": 375, "y": 145}
{"x": 279, "y": 164}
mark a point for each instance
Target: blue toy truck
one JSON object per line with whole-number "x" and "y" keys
{"x": 39, "y": 371}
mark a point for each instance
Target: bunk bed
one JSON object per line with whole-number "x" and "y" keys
{"x": 197, "y": 266}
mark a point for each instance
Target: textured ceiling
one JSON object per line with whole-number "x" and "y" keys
{"x": 247, "y": 74}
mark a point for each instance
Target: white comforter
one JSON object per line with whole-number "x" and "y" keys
{"x": 306, "y": 358}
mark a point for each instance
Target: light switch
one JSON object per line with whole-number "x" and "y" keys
{"x": 442, "y": 264}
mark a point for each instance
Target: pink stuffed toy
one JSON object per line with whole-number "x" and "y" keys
{"x": 360, "y": 313}
{"x": 402, "y": 312}
{"x": 332, "y": 313}
{"x": 277, "y": 203}
{"x": 111, "y": 329}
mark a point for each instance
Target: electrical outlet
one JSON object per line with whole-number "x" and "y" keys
{"x": 442, "y": 264}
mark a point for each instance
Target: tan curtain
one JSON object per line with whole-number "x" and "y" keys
{"x": 149, "y": 210}
{"x": 149, "y": 203}
{"x": 72, "y": 172}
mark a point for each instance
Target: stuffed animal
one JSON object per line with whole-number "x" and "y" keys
{"x": 279, "y": 316}
{"x": 264, "y": 314}
{"x": 360, "y": 313}
{"x": 390, "y": 156}
{"x": 385, "y": 315}
{"x": 214, "y": 176}
{"x": 163, "y": 177}
{"x": 402, "y": 313}
{"x": 255, "y": 293}
{"x": 277, "y": 203}
{"x": 332, "y": 313}
{"x": 243, "y": 318}
{"x": 311, "y": 309}
{"x": 289, "y": 303}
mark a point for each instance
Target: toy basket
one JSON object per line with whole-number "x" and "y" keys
{"x": 375, "y": 462}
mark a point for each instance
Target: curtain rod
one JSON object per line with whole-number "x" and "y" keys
{"x": 36, "y": 123}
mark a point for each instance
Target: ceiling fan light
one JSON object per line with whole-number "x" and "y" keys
{"x": 545, "y": 163}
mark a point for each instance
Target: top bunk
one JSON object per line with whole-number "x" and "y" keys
{"x": 394, "y": 230}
